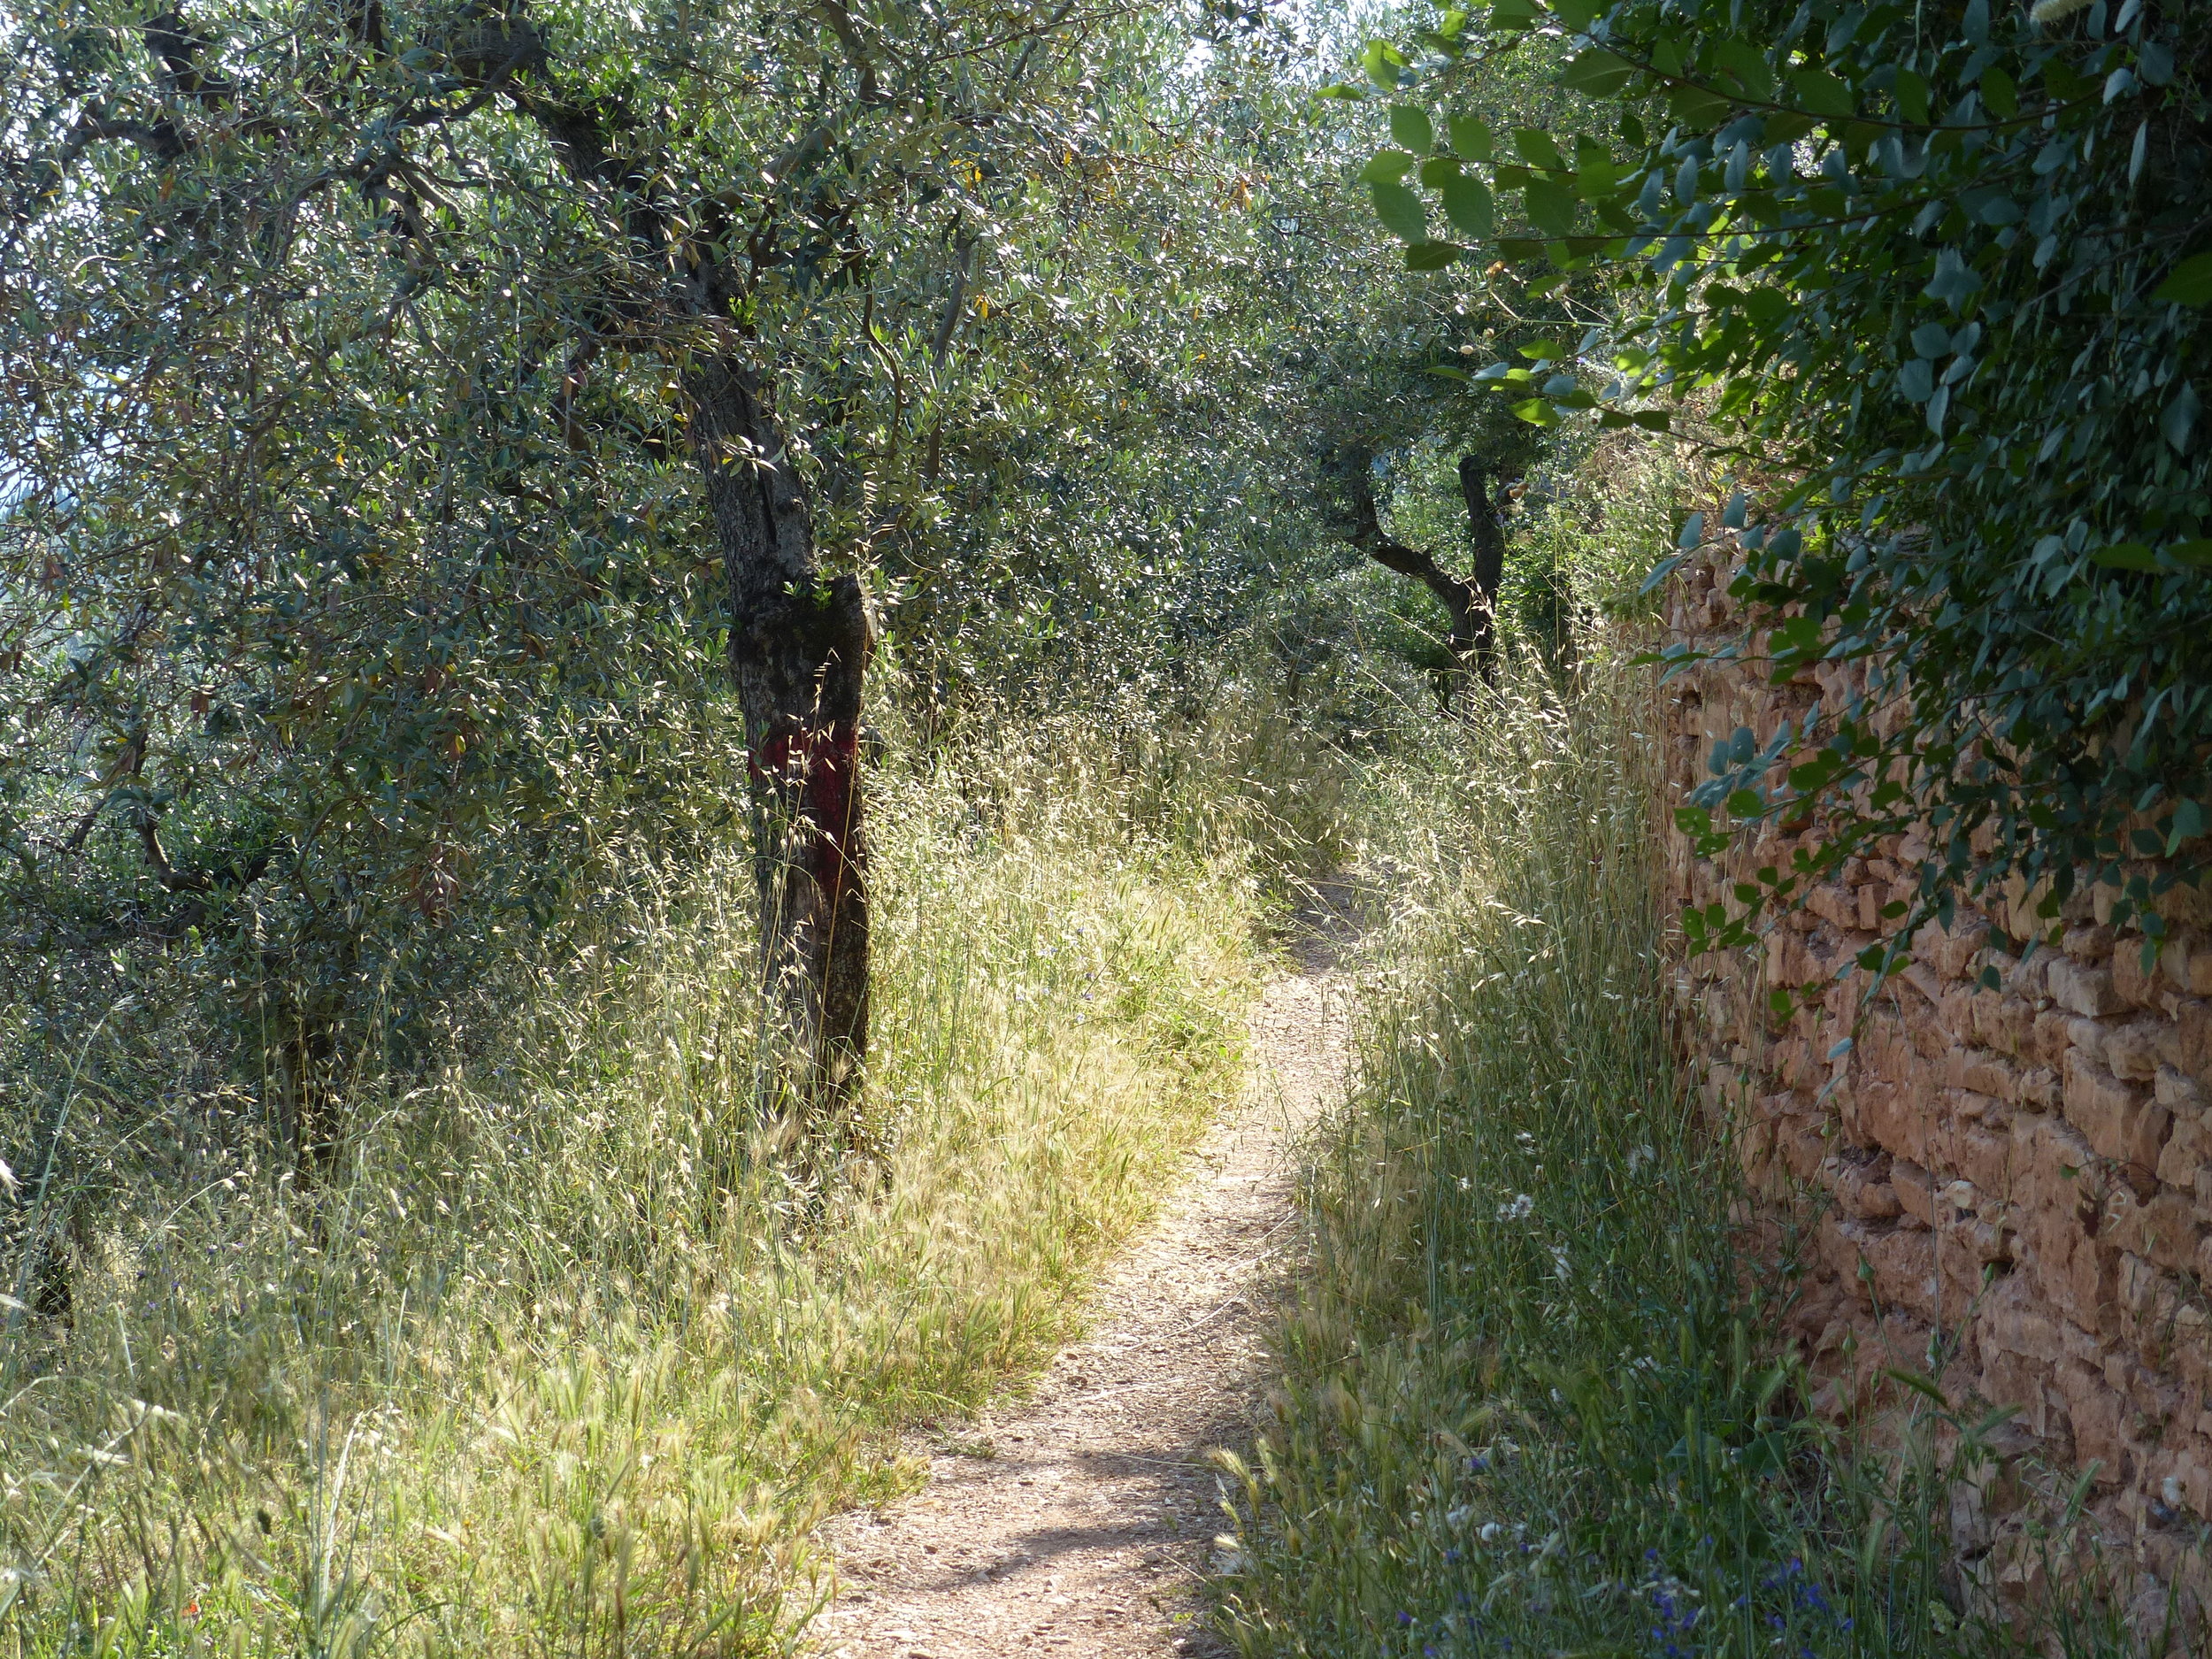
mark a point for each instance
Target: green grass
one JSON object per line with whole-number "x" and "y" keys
{"x": 1532, "y": 1404}
{"x": 572, "y": 1353}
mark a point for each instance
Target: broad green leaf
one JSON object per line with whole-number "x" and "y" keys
{"x": 1697, "y": 108}
{"x": 2189, "y": 822}
{"x": 1748, "y": 66}
{"x": 1467, "y": 203}
{"x": 1538, "y": 149}
{"x": 1999, "y": 92}
{"x": 1954, "y": 281}
{"x": 1912, "y": 97}
{"x": 1551, "y": 206}
{"x": 2189, "y": 283}
{"x": 1409, "y": 126}
{"x": 1388, "y": 167}
{"x": 1597, "y": 74}
{"x": 1400, "y": 210}
{"x": 1595, "y": 170}
{"x": 2125, "y": 556}
{"x": 2178, "y": 422}
{"x": 1431, "y": 255}
{"x": 1510, "y": 16}
{"x": 1821, "y": 92}
{"x": 1470, "y": 136}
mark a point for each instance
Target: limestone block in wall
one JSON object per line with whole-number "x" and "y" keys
{"x": 1916, "y": 1191}
{"x": 1903, "y": 1263}
{"x": 2084, "y": 1037}
{"x": 2019, "y": 1347}
{"x": 2188, "y": 1149}
{"x": 1835, "y": 904}
{"x": 2178, "y": 1091}
{"x": 1981, "y": 1152}
{"x": 2164, "y": 1230}
{"x": 1801, "y": 1147}
{"x": 2189, "y": 1465}
{"x": 2132, "y": 983}
{"x": 1992, "y": 1075}
{"x": 2003, "y": 1021}
{"x": 2082, "y": 987}
{"x": 2120, "y": 1120}
{"x": 2051, "y": 1035}
{"x": 1889, "y": 1117}
{"x": 2130, "y": 1048}
{"x": 2053, "y": 1202}
{"x": 2098, "y": 1417}
{"x": 2192, "y": 1026}
{"x": 2089, "y": 944}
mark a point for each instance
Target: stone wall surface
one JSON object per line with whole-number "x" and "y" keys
{"x": 2023, "y": 1173}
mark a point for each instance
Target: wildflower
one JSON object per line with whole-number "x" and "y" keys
{"x": 1522, "y": 1207}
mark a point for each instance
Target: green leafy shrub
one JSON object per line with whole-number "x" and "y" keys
{"x": 1937, "y": 274}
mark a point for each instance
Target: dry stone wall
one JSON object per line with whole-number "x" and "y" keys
{"x": 2013, "y": 1184}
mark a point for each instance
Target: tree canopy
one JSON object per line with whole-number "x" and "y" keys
{"x": 1932, "y": 280}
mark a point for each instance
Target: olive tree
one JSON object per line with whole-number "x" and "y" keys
{"x": 411, "y": 403}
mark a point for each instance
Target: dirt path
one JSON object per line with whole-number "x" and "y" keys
{"x": 1078, "y": 1522}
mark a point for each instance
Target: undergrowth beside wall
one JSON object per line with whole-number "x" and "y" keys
{"x": 1532, "y": 1402}
{"x": 570, "y": 1351}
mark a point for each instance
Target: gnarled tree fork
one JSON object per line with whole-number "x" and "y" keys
{"x": 1471, "y": 601}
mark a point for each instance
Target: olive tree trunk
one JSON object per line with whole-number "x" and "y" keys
{"x": 800, "y": 642}
{"x": 1484, "y": 523}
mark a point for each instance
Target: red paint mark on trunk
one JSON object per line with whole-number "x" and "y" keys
{"x": 822, "y": 764}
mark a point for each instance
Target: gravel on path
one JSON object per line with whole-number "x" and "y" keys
{"x": 1079, "y": 1521}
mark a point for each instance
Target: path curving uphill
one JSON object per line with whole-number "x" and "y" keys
{"x": 1079, "y": 1521}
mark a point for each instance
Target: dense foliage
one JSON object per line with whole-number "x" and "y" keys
{"x": 1934, "y": 277}
{"x": 359, "y": 606}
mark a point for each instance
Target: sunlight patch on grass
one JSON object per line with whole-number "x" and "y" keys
{"x": 572, "y": 1353}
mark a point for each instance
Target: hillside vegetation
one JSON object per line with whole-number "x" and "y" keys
{"x": 668, "y": 674}
{"x": 572, "y": 1353}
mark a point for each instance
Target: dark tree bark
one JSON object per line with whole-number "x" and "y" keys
{"x": 800, "y": 642}
{"x": 1471, "y": 600}
{"x": 799, "y": 648}
{"x": 1485, "y": 524}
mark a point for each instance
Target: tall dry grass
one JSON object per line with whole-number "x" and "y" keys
{"x": 1532, "y": 1404}
{"x": 571, "y": 1353}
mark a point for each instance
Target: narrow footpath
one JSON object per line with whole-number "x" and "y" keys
{"x": 1079, "y": 1521}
